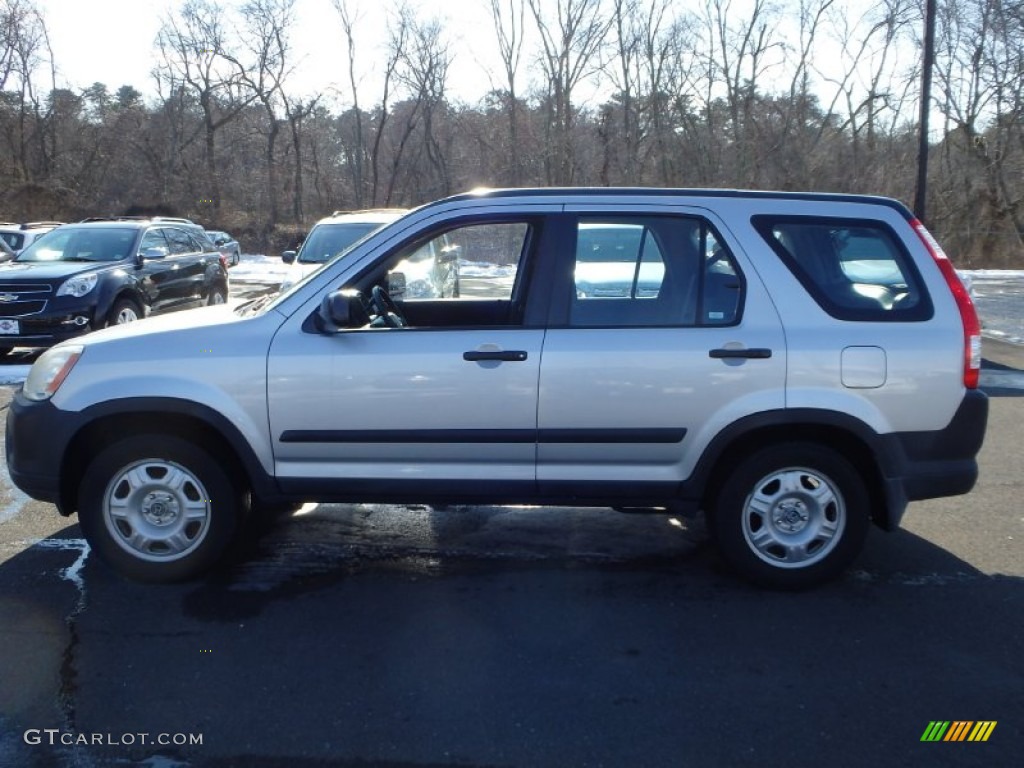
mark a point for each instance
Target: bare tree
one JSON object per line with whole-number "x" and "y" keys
{"x": 980, "y": 76}
{"x": 509, "y": 21}
{"x": 196, "y": 55}
{"x": 266, "y": 25}
{"x": 570, "y": 44}
{"x": 24, "y": 49}
{"x": 425, "y": 60}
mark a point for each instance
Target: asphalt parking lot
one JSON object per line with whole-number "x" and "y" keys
{"x": 384, "y": 636}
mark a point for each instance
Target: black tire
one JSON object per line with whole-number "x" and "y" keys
{"x": 158, "y": 508}
{"x": 5, "y": 351}
{"x": 791, "y": 516}
{"x": 124, "y": 311}
{"x": 218, "y": 295}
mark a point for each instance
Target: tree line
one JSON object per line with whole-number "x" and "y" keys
{"x": 819, "y": 95}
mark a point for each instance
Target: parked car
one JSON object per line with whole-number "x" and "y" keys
{"x": 333, "y": 235}
{"x": 196, "y": 230}
{"x": 227, "y": 245}
{"x": 791, "y": 396}
{"x": 81, "y": 277}
{"x": 14, "y": 238}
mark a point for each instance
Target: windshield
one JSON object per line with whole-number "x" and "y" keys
{"x": 81, "y": 244}
{"x": 328, "y": 240}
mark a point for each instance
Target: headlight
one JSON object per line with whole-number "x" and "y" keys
{"x": 78, "y": 286}
{"x": 49, "y": 371}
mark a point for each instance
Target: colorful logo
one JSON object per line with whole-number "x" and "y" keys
{"x": 958, "y": 730}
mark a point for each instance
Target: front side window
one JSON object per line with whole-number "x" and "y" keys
{"x": 652, "y": 270}
{"x": 474, "y": 262}
{"x": 854, "y": 269}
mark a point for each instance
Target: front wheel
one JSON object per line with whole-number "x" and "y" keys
{"x": 158, "y": 508}
{"x": 791, "y": 516}
{"x": 123, "y": 311}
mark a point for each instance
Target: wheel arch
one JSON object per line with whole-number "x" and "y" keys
{"x": 186, "y": 420}
{"x": 868, "y": 452}
{"x": 117, "y": 286}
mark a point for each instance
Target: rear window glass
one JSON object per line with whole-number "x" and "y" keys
{"x": 854, "y": 269}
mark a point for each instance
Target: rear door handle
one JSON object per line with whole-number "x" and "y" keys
{"x": 754, "y": 353}
{"x": 506, "y": 356}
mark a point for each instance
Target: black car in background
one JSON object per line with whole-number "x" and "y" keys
{"x": 81, "y": 277}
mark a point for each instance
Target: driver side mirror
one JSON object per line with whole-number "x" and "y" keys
{"x": 450, "y": 254}
{"x": 288, "y": 257}
{"x": 156, "y": 252}
{"x": 339, "y": 310}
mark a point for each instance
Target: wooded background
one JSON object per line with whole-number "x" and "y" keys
{"x": 816, "y": 95}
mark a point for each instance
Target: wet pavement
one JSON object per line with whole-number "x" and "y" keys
{"x": 371, "y": 636}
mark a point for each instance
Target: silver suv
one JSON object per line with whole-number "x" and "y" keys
{"x": 796, "y": 366}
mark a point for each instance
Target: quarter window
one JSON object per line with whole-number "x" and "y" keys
{"x": 854, "y": 269}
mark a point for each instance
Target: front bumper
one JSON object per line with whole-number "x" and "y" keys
{"x": 38, "y": 434}
{"x": 66, "y": 321}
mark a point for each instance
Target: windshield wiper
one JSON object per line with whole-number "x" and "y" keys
{"x": 254, "y": 306}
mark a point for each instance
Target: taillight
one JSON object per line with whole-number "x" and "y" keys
{"x": 968, "y": 314}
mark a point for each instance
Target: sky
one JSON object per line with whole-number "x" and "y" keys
{"x": 112, "y": 42}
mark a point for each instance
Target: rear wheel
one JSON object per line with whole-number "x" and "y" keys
{"x": 791, "y": 516}
{"x": 158, "y": 508}
{"x": 218, "y": 295}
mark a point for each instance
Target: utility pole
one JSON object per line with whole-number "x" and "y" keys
{"x": 921, "y": 195}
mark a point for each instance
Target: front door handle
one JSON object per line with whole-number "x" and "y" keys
{"x": 753, "y": 353}
{"x": 505, "y": 356}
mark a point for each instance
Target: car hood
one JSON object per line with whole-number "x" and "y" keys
{"x": 205, "y": 317}
{"x": 48, "y": 270}
{"x": 298, "y": 270}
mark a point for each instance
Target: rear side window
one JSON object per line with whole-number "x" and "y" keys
{"x": 854, "y": 269}
{"x": 13, "y": 239}
{"x": 652, "y": 271}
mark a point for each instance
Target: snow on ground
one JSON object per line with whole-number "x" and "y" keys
{"x": 13, "y": 374}
{"x": 253, "y": 268}
{"x": 999, "y": 297}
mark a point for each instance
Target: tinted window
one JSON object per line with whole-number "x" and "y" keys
{"x": 13, "y": 239}
{"x": 854, "y": 269}
{"x": 181, "y": 241}
{"x": 668, "y": 270}
{"x": 154, "y": 241}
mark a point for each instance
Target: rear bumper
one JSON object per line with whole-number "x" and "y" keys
{"x": 929, "y": 465}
